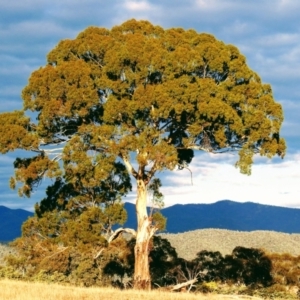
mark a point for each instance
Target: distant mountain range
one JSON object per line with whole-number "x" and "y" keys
{"x": 11, "y": 221}
{"x": 223, "y": 214}
{"x": 226, "y": 214}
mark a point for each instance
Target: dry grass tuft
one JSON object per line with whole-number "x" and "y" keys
{"x": 4, "y": 251}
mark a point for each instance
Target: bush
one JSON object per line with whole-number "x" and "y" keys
{"x": 285, "y": 269}
{"x": 249, "y": 266}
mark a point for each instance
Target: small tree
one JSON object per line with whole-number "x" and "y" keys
{"x": 145, "y": 98}
{"x": 248, "y": 265}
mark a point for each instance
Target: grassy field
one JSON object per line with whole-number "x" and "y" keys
{"x": 18, "y": 290}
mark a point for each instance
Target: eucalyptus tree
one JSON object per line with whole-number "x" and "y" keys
{"x": 144, "y": 98}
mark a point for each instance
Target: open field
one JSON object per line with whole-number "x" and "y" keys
{"x": 18, "y": 290}
{"x": 188, "y": 244}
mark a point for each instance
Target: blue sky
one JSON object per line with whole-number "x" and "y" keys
{"x": 267, "y": 32}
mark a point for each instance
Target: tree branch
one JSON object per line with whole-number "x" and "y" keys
{"x": 152, "y": 171}
{"x": 98, "y": 253}
{"x": 191, "y": 174}
{"x": 184, "y": 284}
{"x": 63, "y": 249}
{"x": 129, "y": 166}
{"x": 119, "y": 231}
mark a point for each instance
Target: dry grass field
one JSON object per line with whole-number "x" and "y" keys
{"x": 18, "y": 290}
{"x": 188, "y": 244}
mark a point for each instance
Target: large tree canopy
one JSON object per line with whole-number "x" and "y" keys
{"x": 142, "y": 98}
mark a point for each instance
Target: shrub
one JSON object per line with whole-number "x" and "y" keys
{"x": 249, "y": 266}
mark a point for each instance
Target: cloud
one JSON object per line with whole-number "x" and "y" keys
{"x": 23, "y": 40}
{"x": 271, "y": 183}
{"x": 140, "y": 10}
{"x": 134, "y": 6}
{"x": 14, "y": 202}
{"x": 280, "y": 39}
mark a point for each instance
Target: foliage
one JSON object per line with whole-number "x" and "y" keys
{"x": 139, "y": 87}
{"x": 248, "y": 266}
{"x": 119, "y": 265}
{"x": 92, "y": 96}
{"x": 66, "y": 244}
{"x": 163, "y": 259}
{"x": 286, "y": 269}
{"x": 272, "y": 292}
{"x": 246, "y": 271}
{"x": 157, "y": 203}
{"x": 47, "y": 261}
{"x": 209, "y": 265}
{"x": 208, "y": 287}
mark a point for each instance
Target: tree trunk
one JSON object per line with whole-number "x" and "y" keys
{"x": 142, "y": 279}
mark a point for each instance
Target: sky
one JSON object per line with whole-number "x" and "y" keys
{"x": 267, "y": 32}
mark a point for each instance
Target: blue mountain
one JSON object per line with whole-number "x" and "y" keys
{"x": 226, "y": 214}
{"x": 223, "y": 214}
{"x": 11, "y": 221}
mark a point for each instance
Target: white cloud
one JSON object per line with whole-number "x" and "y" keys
{"x": 17, "y": 65}
{"x": 27, "y": 31}
{"x": 290, "y": 105}
{"x": 137, "y": 5}
{"x": 279, "y": 39}
{"x": 271, "y": 183}
{"x": 140, "y": 10}
{"x": 212, "y": 5}
{"x": 287, "y": 7}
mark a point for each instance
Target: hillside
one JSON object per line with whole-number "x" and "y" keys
{"x": 188, "y": 244}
